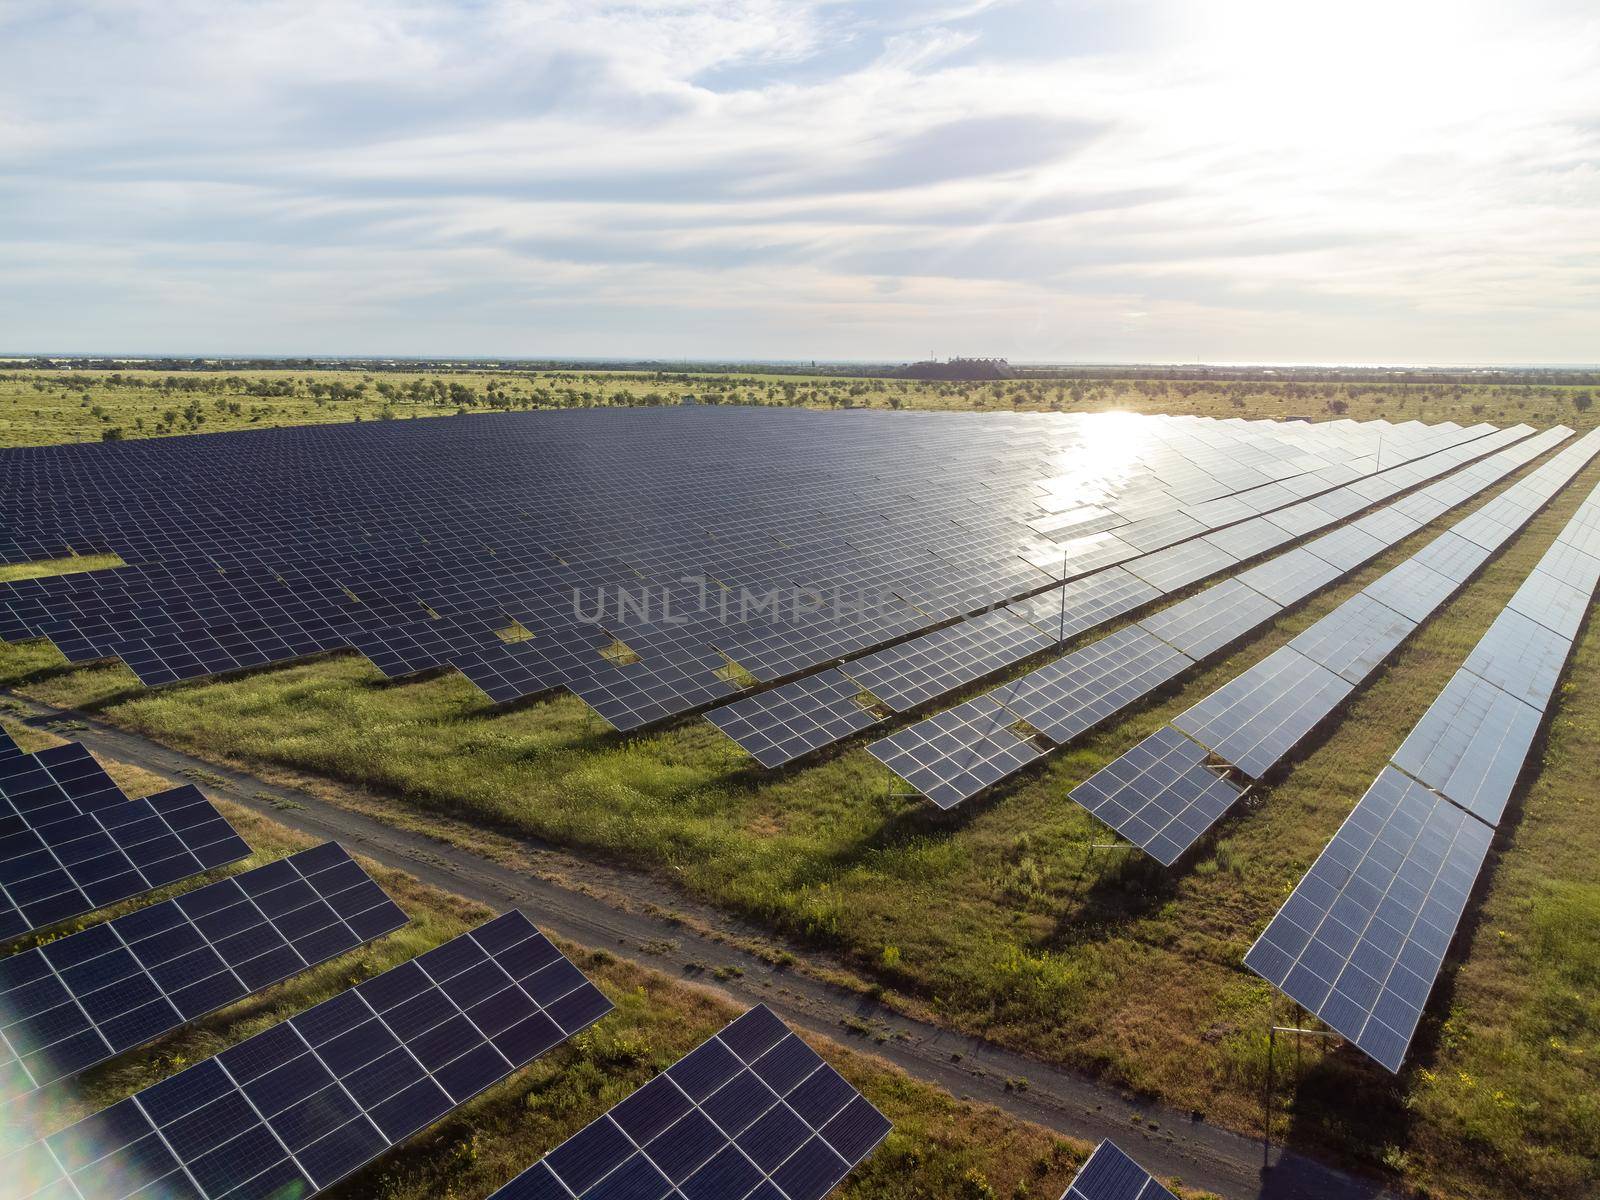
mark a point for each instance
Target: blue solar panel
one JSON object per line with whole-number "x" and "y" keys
{"x": 303, "y": 1104}
{"x": 752, "y": 1114}
{"x": 1109, "y": 1174}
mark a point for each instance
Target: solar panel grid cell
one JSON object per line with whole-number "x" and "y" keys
{"x": 1109, "y": 1174}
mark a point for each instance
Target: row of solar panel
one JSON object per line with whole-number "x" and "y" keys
{"x": 413, "y": 595}
{"x": 952, "y": 756}
{"x": 300, "y": 1106}
{"x": 1363, "y": 936}
{"x": 797, "y": 718}
{"x": 1163, "y": 795}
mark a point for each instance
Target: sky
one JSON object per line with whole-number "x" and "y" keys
{"x": 1378, "y": 181}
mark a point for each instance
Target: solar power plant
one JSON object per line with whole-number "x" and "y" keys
{"x": 780, "y": 725}
{"x": 1558, "y": 606}
{"x": 55, "y": 782}
{"x": 69, "y": 863}
{"x": 1286, "y": 579}
{"x": 1109, "y": 1174}
{"x": 1159, "y": 795}
{"x": 423, "y": 543}
{"x": 296, "y": 1108}
{"x": 1064, "y": 698}
{"x": 751, "y": 1114}
{"x": 1361, "y": 939}
{"x": 916, "y": 671}
{"x": 1256, "y": 718}
{"x": 88, "y": 997}
{"x": 1520, "y": 657}
{"x": 1083, "y": 604}
{"x": 955, "y": 754}
{"x": 1354, "y": 638}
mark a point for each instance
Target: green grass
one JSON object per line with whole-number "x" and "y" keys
{"x": 9, "y": 572}
{"x": 45, "y": 407}
{"x": 940, "y": 1146}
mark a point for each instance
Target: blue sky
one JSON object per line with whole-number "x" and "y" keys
{"x": 1244, "y": 180}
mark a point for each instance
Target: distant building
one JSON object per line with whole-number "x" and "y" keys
{"x": 957, "y": 369}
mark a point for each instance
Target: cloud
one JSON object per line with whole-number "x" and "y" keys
{"x": 803, "y": 178}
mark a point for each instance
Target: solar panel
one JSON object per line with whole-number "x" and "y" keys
{"x": 1470, "y": 745}
{"x": 1208, "y": 621}
{"x": 1249, "y": 538}
{"x": 1346, "y": 548}
{"x": 1355, "y": 637}
{"x": 795, "y": 718}
{"x": 1159, "y": 795}
{"x": 1175, "y": 568}
{"x": 1412, "y": 589}
{"x": 1256, "y": 718}
{"x": 1360, "y": 941}
{"x": 87, "y": 997}
{"x": 1559, "y": 607}
{"x": 1289, "y": 578}
{"x": 1521, "y": 657}
{"x": 952, "y": 756}
{"x": 1109, "y": 1174}
{"x": 66, "y": 866}
{"x": 752, "y": 1114}
{"x": 61, "y": 779}
{"x": 914, "y": 672}
{"x": 298, "y": 1107}
{"x": 1084, "y": 604}
{"x": 1452, "y": 556}
{"x": 1064, "y": 698}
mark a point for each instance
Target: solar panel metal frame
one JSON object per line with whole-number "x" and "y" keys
{"x": 85, "y": 998}
{"x": 753, "y": 1112}
{"x": 303, "y": 1104}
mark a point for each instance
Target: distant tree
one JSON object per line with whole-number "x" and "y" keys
{"x": 1582, "y": 401}
{"x": 1338, "y": 407}
{"x": 113, "y": 434}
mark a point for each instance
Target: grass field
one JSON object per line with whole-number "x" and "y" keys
{"x": 40, "y": 407}
{"x": 940, "y": 1146}
{"x": 998, "y": 920}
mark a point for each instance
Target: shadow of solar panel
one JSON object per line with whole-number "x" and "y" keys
{"x": 1354, "y": 638}
{"x": 85, "y": 998}
{"x": 1208, "y": 621}
{"x": 1289, "y": 578}
{"x": 1109, "y": 1174}
{"x": 753, "y": 1112}
{"x": 1256, "y": 718}
{"x": 795, "y": 718}
{"x": 1470, "y": 745}
{"x": 1159, "y": 795}
{"x": 71, "y": 865}
{"x": 1361, "y": 939}
{"x": 298, "y": 1107}
{"x": 952, "y": 756}
{"x": 1084, "y": 604}
{"x": 1520, "y": 657}
{"x": 1074, "y": 693}
{"x": 916, "y": 671}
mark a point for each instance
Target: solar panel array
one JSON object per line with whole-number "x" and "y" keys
{"x": 62, "y": 857}
{"x": 1065, "y": 698}
{"x": 1256, "y": 719}
{"x": 1361, "y": 939}
{"x": 517, "y": 547}
{"x": 87, "y": 997}
{"x": 752, "y": 1113}
{"x": 299, "y": 1106}
{"x": 1109, "y": 1174}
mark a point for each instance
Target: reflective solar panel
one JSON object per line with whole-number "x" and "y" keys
{"x": 87, "y": 997}
{"x": 1558, "y": 606}
{"x": 1346, "y": 547}
{"x": 1175, "y": 568}
{"x": 952, "y": 756}
{"x": 1208, "y": 621}
{"x": 1109, "y": 1174}
{"x": 752, "y": 1114}
{"x": 915, "y": 671}
{"x": 1256, "y": 718}
{"x": 1064, "y": 698}
{"x": 795, "y": 718}
{"x": 1521, "y": 657}
{"x": 1085, "y": 604}
{"x": 1412, "y": 589}
{"x": 1159, "y": 795}
{"x": 1360, "y": 941}
{"x": 1452, "y": 556}
{"x": 66, "y": 866}
{"x": 1355, "y": 637}
{"x": 298, "y": 1107}
{"x": 1470, "y": 745}
{"x": 1289, "y": 578}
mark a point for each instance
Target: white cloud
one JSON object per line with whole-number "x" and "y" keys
{"x": 1250, "y": 180}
